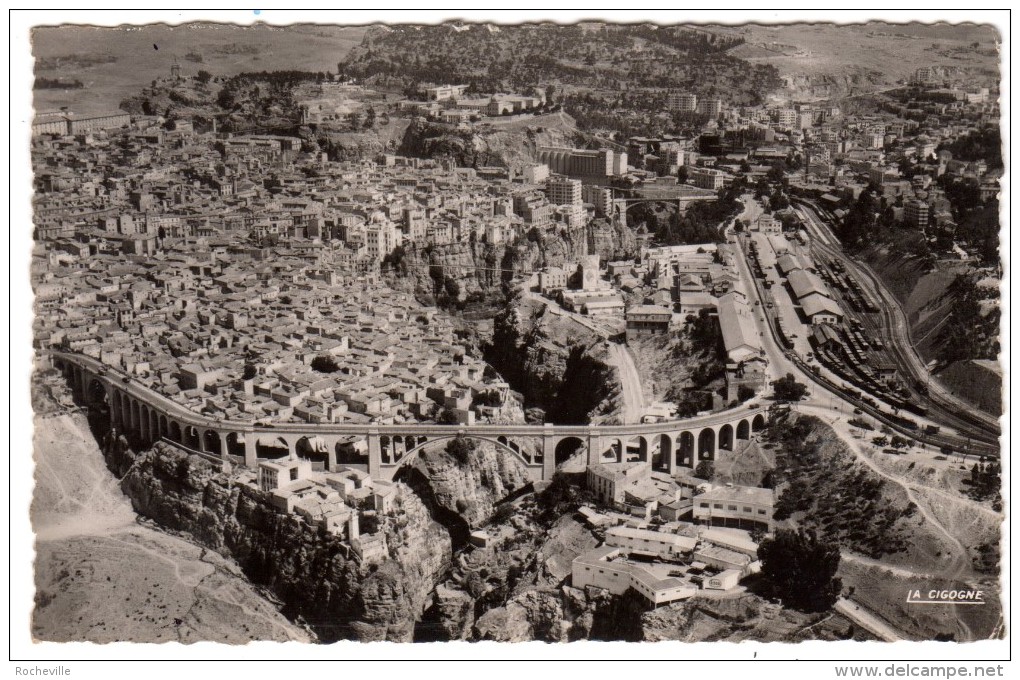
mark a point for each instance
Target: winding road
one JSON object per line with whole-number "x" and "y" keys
{"x": 630, "y": 382}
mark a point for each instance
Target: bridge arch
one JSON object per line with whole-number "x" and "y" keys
{"x": 174, "y": 432}
{"x": 96, "y": 393}
{"x": 685, "y": 445}
{"x": 612, "y": 450}
{"x": 636, "y": 449}
{"x": 706, "y": 444}
{"x": 664, "y": 459}
{"x": 743, "y": 429}
{"x": 235, "y": 445}
{"x": 191, "y": 438}
{"x": 314, "y": 449}
{"x": 567, "y": 448}
{"x": 508, "y": 446}
{"x": 268, "y": 447}
{"x": 758, "y": 423}
{"x": 352, "y": 452}
{"x": 726, "y": 437}
{"x": 211, "y": 442}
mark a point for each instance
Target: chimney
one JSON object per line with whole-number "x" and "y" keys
{"x": 353, "y": 531}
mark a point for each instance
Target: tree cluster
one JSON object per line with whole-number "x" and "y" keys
{"x": 985, "y": 482}
{"x": 800, "y": 570}
{"x": 788, "y": 389}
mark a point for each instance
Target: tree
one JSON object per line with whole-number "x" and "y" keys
{"x": 325, "y": 363}
{"x": 447, "y": 417}
{"x": 461, "y": 448}
{"x": 250, "y": 371}
{"x": 899, "y": 442}
{"x": 682, "y": 174}
{"x": 204, "y": 77}
{"x": 550, "y": 93}
{"x": 705, "y": 470}
{"x": 800, "y": 570}
{"x": 788, "y": 389}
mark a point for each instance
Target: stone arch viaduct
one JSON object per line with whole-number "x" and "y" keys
{"x": 148, "y": 417}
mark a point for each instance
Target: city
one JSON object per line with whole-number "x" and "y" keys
{"x": 646, "y": 338}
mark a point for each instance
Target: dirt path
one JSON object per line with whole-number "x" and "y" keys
{"x": 867, "y": 620}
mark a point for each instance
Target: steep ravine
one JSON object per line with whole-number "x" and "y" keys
{"x": 558, "y": 365}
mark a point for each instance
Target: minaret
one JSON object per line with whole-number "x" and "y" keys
{"x": 175, "y": 70}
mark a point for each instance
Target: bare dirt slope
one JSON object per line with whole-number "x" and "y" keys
{"x": 114, "y": 63}
{"x": 869, "y": 57}
{"x": 102, "y": 577}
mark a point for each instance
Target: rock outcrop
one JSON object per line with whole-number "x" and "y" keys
{"x": 558, "y": 365}
{"x": 315, "y": 574}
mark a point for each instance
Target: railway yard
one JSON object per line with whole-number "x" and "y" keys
{"x": 835, "y": 320}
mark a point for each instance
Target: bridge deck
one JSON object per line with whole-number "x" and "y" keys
{"x": 186, "y": 416}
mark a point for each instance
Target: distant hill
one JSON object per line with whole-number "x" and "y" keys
{"x": 833, "y": 60}
{"x": 601, "y": 61}
{"x": 114, "y": 63}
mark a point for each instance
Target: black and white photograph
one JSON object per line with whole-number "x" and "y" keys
{"x": 514, "y": 331}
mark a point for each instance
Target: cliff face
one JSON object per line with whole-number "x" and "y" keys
{"x": 472, "y": 488}
{"x": 844, "y": 82}
{"x": 557, "y": 364}
{"x": 482, "y": 267}
{"x": 314, "y": 574}
{"x": 500, "y": 144}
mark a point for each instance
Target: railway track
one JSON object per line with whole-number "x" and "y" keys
{"x": 937, "y": 440}
{"x": 942, "y": 408}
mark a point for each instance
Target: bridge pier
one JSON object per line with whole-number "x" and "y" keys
{"x": 250, "y": 455}
{"x": 374, "y": 454}
{"x": 225, "y": 464}
{"x": 594, "y": 449}
{"x": 548, "y": 455}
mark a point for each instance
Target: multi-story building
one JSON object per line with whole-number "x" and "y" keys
{"x": 786, "y": 118}
{"x": 441, "y": 92}
{"x": 707, "y": 178}
{"x": 647, "y": 320}
{"x": 608, "y": 481}
{"x": 600, "y": 197}
{"x": 605, "y": 568}
{"x": 563, "y": 191}
{"x": 711, "y": 107}
{"x": 684, "y": 102}
{"x": 65, "y": 123}
{"x": 735, "y": 506}
{"x": 915, "y": 213}
{"x": 583, "y": 162}
{"x": 652, "y": 543}
{"x": 536, "y": 174}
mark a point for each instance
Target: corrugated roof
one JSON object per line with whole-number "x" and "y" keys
{"x": 815, "y": 303}
{"x": 740, "y": 337}
{"x": 804, "y": 283}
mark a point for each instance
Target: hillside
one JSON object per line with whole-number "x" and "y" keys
{"x": 870, "y": 57}
{"x": 114, "y": 63}
{"x": 602, "y": 74}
